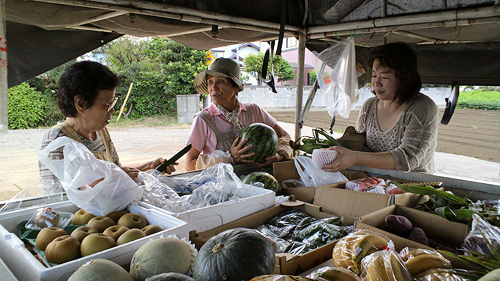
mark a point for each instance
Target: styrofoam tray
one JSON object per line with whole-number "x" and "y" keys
{"x": 207, "y": 218}
{"x": 26, "y": 267}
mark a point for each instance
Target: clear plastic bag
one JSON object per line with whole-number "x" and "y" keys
{"x": 337, "y": 77}
{"x": 47, "y": 217}
{"x": 314, "y": 176}
{"x": 97, "y": 186}
{"x": 384, "y": 265}
{"x": 482, "y": 236}
{"x": 351, "y": 250}
{"x": 212, "y": 186}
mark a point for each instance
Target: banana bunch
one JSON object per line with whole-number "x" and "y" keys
{"x": 384, "y": 266}
{"x": 439, "y": 274}
{"x": 350, "y": 250}
{"x": 333, "y": 274}
{"x": 420, "y": 260}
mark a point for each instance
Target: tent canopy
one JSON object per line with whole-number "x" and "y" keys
{"x": 457, "y": 41}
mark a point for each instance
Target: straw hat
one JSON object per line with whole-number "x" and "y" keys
{"x": 220, "y": 67}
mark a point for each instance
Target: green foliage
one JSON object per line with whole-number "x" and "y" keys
{"x": 482, "y": 99}
{"x": 127, "y": 52}
{"x": 26, "y": 107}
{"x": 479, "y": 104}
{"x": 282, "y": 68}
{"x": 480, "y": 94}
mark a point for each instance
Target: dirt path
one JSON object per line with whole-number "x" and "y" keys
{"x": 473, "y": 133}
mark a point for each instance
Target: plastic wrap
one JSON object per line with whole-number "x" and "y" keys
{"x": 441, "y": 274}
{"x": 212, "y": 186}
{"x": 482, "y": 236}
{"x": 30, "y": 197}
{"x": 384, "y": 265}
{"x": 47, "y": 217}
{"x": 420, "y": 260}
{"x": 328, "y": 273}
{"x": 296, "y": 232}
{"x": 350, "y": 250}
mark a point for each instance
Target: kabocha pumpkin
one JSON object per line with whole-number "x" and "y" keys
{"x": 235, "y": 254}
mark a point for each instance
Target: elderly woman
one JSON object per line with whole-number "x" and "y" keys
{"x": 215, "y": 130}
{"x": 87, "y": 98}
{"x": 400, "y": 123}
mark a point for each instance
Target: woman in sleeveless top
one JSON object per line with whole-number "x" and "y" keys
{"x": 215, "y": 130}
{"x": 400, "y": 123}
{"x": 86, "y": 96}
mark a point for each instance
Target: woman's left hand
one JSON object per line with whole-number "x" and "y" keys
{"x": 345, "y": 159}
{"x": 270, "y": 160}
{"x": 131, "y": 172}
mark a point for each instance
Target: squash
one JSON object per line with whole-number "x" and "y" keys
{"x": 235, "y": 254}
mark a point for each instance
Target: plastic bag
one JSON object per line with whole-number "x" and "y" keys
{"x": 337, "y": 77}
{"x": 97, "y": 186}
{"x": 384, "y": 264}
{"x": 47, "y": 217}
{"x": 475, "y": 240}
{"x": 212, "y": 186}
{"x": 314, "y": 176}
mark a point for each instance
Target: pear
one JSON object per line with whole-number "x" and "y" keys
{"x": 130, "y": 235}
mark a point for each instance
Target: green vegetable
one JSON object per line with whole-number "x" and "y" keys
{"x": 235, "y": 254}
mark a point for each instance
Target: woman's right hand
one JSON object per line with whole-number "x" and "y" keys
{"x": 238, "y": 151}
{"x": 131, "y": 172}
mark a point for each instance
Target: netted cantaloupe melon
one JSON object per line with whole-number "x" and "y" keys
{"x": 100, "y": 270}
{"x": 162, "y": 256}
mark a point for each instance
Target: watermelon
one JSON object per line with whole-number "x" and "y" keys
{"x": 264, "y": 140}
{"x": 267, "y": 179}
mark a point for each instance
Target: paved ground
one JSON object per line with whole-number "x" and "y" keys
{"x": 475, "y": 134}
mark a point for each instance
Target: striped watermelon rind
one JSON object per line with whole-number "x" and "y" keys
{"x": 265, "y": 178}
{"x": 264, "y": 140}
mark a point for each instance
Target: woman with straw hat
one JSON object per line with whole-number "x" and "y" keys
{"x": 215, "y": 130}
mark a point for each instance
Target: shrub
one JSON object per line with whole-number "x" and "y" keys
{"x": 26, "y": 107}
{"x": 479, "y": 104}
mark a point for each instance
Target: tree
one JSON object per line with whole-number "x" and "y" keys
{"x": 126, "y": 52}
{"x": 282, "y": 68}
{"x": 179, "y": 64}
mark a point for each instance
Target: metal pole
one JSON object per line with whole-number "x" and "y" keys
{"x": 4, "y": 97}
{"x": 300, "y": 84}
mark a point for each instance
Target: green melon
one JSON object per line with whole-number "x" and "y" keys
{"x": 100, "y": 270}
{"x": 162, "y": 256}
{"x": 267, "y": 179}
{"x": 264, "y": 140}
{"x": 171, "y": 276}
{"x": 235, "y": 254}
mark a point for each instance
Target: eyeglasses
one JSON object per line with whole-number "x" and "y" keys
{"x": 110, "y": 105}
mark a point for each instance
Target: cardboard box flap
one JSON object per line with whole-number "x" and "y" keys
{"x": 338, "y": 200}
{"x": 285, "y": 170}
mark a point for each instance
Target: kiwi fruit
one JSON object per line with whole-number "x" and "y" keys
{"x": 96, "y": 242}
{"x": 82, "y": 232}
{"x": 116, "y": 215}
{"x": 132, "y": 220}
{"x": 81, "y": 217}
{"x": 63, "y": 249}
{"x": 152, "y": 228}
{"x": 115, "y": 231}
{"x": 46, "y": 235}
{"x": 100, "y": 223}
{"x": 130, "y": 235}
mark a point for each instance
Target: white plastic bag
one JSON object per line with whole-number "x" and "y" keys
{"x": 337, "y": 77}
{"x": 314, "y": 176}
{"x": 97, "y": 186}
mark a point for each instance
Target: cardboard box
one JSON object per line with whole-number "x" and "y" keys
{"x": 285, "y": 263}
{"x": 355, "y": 203}
{"x": 434, "y": 226}
{"x": 26, "y": 267}
{"x": 216, "y": 215}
